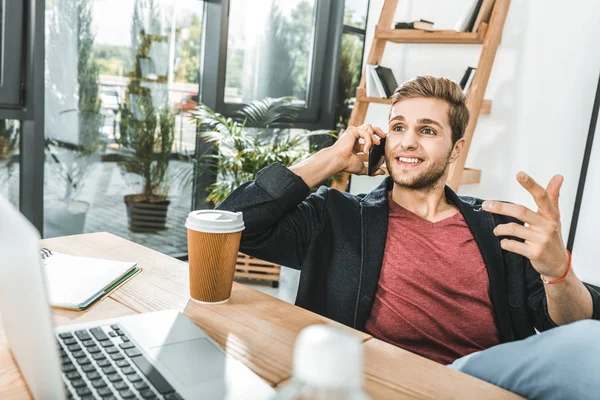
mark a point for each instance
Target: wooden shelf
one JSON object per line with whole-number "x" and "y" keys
{"x": 433, "y": 37}
{"x": 374, "y": 100}
{"x": 470, "y": 176}
{"x": 486, "y": 106}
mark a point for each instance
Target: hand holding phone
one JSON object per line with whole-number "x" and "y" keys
{"x": 347, "y": 153}
{"x": 376, "y": 157}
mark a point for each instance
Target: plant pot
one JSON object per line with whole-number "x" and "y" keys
{"x": 65, "y": 218}
{"x": 146, "y": 215}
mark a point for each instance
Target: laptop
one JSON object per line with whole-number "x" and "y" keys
{"x": 158, "y": 355}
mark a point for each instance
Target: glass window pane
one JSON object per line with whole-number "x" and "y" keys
{"x": 1, "y": 37}
{"x": 355, "y": 13}
{"x": 350, "y": 70}
{"x": 121, "y": 78}
{"x": 9, "y": 160}
{"x": 269, "y": 53}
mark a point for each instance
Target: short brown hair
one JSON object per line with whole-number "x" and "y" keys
{"x": 442, "y": 89}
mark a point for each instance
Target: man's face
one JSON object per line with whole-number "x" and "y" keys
{"x": 419, "y": 147}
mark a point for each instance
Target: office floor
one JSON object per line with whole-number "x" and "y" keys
{"x": 288, "y": 285}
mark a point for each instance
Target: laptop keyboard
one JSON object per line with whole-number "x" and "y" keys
{"x": 102, "y": 363}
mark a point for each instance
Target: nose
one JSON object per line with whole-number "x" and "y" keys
{"x": 408, "y": 140}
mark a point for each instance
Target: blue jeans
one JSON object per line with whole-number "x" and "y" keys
{"x": 561, "y": 363}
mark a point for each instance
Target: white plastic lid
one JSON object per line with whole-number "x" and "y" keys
{"x": 215, "y": 221}
{"x": 327, "y": 356}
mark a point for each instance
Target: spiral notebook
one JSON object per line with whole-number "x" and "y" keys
{"x": 75, "y": 283}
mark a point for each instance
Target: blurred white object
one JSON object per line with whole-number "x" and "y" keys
{"x": 328, "y": 364}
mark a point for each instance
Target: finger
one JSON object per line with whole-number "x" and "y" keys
{"x": 553, "y": 189}
{"x": 540, "y": 196}
{"x": 520, "y": 231}
{"x": 374, "y": 135}
{"x": 379, "y": 132}
{"x": 367, "y": 128}
{"x": 379, "y": 172}
{"x": 524, "y": 249}
{"x": 353, "y": 132}
{"x": 367, "y": 137}
{"x": 374, "y": 132}
{"x": 517, "y": 211}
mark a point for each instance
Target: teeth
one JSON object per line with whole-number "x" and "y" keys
{"x": 409, "y": 160}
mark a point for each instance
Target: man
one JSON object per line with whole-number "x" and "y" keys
{"x": 451, "y": 278}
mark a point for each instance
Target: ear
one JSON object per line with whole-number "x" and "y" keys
{"x": 456, "y": 150}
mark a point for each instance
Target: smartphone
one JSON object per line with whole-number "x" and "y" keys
{"x": 376, "y": 156}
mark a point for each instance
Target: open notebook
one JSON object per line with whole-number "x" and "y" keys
{"x": 75, "y": 283}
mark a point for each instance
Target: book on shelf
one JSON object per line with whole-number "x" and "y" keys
{"x": 386, "y": 76}
{"x": 484, "y": 14}
{"x": 467, "y": 20}
{"x": 381, "y": 82}
{"x": 421, "y": 24}
{"x": 467, "y": 79}
{"x": 374, "y": 86}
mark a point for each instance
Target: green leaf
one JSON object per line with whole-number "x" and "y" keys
{"x": 241, "y": 151}
{"x": 263, "y": 113}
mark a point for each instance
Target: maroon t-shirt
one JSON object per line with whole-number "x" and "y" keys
{"x": 433, "y": 292}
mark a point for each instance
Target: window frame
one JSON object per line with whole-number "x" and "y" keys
{"x": 320, "y": 112}
{"x": 11, "y": 67}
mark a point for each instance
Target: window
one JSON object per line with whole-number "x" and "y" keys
{"x": 11, "y": 41}
{"x": 121, "y": 78}
{"x": 351, "y": 57}
{"x": 269, "y": 53}
{"x": 275, "y": 48}
{"x": 355, "y": 13}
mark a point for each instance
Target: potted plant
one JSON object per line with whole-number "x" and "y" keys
{"x": 242, "y": 147}
{"x": 146, "y": 135}
{"x": 70, "y": 167}
{"x": 146, "y": 152}
{"x": 74, "y": 142}
{"x": 246, "y": 144}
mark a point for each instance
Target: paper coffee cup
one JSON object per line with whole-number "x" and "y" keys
{"x": 213, "y": 245}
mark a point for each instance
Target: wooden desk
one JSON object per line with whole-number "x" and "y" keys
{"x": 253, "y": 327}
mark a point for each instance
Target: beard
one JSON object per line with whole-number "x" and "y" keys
{"x": 423, "y": 182}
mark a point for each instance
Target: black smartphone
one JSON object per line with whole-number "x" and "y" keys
{"x": 376, "y": 156}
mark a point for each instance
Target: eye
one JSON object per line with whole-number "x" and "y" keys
{"x": 428, "y": 131}
{"x": 399, "y": 128}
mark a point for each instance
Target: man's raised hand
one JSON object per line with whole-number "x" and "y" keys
{"x": 543, "y": 243}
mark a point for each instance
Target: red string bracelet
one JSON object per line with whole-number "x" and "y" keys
{"x": 562, "y": 277}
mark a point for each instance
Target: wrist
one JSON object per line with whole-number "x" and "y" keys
{"x": 333, "y": 161}
{"x": 317, "y": 168}
{"x": 566, "y": 271}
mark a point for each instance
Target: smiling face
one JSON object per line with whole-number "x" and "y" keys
{"x": 419, "y": 149}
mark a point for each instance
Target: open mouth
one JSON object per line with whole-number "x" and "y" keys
{"x": 408, "y": 162}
